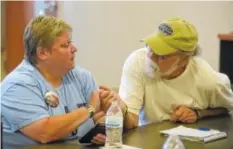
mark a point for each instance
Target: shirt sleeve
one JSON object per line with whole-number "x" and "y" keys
{"x": 87, "y": 82}
{"x": 90, "y": 86}
{"x": 131, "y": 88}
{"x": 222, "y": 95}
{"x": 22, "y": 104}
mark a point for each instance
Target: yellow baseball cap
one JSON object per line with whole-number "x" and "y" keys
{"x": 172, "y": 35}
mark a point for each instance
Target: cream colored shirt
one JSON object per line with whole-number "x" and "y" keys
{"x": 153, "y": 98}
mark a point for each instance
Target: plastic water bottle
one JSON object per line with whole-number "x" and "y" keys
{"x": 173, "y": 142}
{"x": 114, "y": 126}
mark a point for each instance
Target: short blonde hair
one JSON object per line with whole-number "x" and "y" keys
{"x": 42, "y": 32}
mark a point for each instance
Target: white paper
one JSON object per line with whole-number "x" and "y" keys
{"x": 195, "y": 133}
{"x": 124, "y": 147}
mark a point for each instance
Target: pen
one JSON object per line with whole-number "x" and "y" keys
{"x": 204, "y": 129}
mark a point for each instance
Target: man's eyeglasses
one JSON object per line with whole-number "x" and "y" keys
{"x": 155, "y": 56}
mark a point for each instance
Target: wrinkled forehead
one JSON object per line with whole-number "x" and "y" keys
{"x": 149, "y": 50}
{"x": 64, "y": 37}
{"x": 178, "y": 52}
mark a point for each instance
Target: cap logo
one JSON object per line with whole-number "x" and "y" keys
{"x": 165, "y": 28}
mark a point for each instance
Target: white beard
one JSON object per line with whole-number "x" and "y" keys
{"x": 151, "y": 68}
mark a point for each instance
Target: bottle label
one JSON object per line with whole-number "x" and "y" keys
{"x": 114, "y": 121}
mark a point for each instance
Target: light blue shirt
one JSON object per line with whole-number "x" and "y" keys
{"x": 23, "y": 102}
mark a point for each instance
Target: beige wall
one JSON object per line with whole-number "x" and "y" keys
{"x": 107, "y": 32}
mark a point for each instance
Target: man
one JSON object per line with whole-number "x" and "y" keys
{"x": 167, "y": 81}
{"x": 46, "y": 98}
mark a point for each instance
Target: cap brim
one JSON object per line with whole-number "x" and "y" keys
{"x": 158, "y": 45}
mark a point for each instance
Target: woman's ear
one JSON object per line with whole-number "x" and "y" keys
{"x": 42, "y": 53}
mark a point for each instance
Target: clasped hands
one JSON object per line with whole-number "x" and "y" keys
{"x": 105, "y": 96}
{"x": 184, "y": 114}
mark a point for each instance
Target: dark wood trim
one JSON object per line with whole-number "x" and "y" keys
{"x": 228, "y": 37}
{"x": 18, "y": 14}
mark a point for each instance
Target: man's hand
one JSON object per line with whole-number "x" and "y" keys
{"x": 184, "y": 114}
{"x": 107, "y": 96}
{"x": 98, "y": 139}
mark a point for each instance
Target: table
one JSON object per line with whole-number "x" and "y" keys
{"x": 148, "y": 137}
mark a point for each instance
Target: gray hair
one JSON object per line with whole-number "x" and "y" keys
{"x": 42, "y": 32}
{"x": 195, "y": 52}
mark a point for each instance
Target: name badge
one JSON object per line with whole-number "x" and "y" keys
{"x": 51, "y": 99}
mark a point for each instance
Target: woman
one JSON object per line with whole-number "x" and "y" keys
{"x": 46, "y": 98}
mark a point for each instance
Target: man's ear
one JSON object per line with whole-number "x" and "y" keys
{"x": 42, "y": 53}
